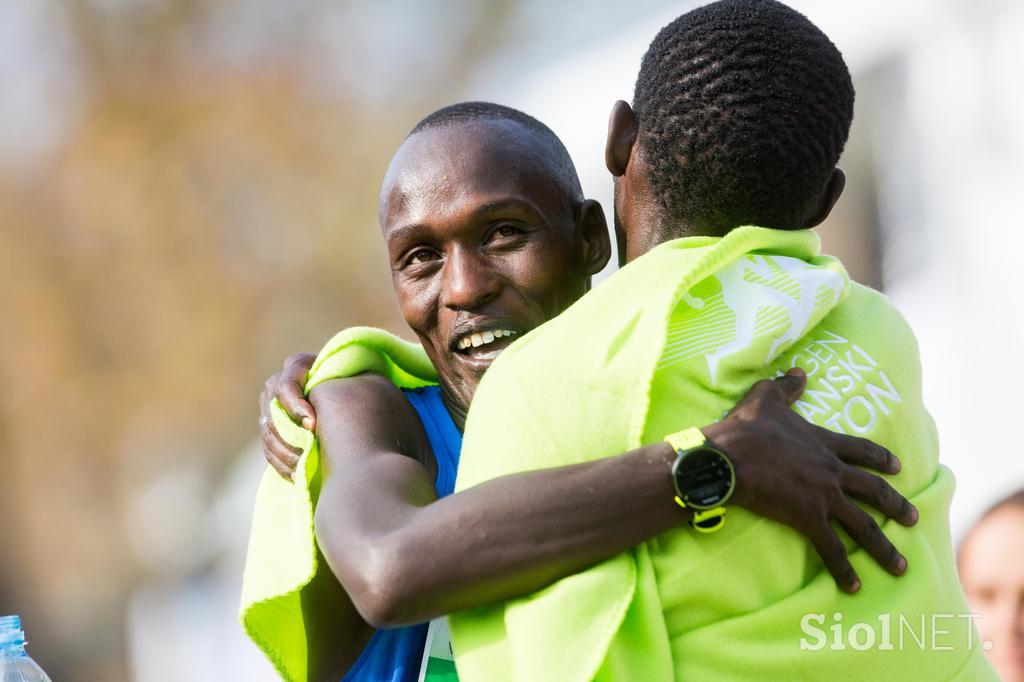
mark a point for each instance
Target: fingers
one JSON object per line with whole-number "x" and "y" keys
{"x": 791, "y": 385}
{"x": 833, "y": 554}
{"x": 265, "y": 397}
{"x": 266, "y": 434}
{"x": 282, "y": 469}
{"x": 290, "y": 389}
{"x": 299, "y": 362}
{"x": 281, "y": 456}
{"x": 860, "y": 452}
{"x": 875, "y": 491}
{"x": 866, "y": 533}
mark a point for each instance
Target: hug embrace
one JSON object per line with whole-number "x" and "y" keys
{"x": 654, "y": 479}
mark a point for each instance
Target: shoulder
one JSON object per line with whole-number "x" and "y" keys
{"x": 363, "y": 392}
{"x": 872, "y": 310}
{"x": 867, "y": 320}
{"x": 367, "y": 413}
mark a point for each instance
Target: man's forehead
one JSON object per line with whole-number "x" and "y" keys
{"x": 474, "y": 149}
{"x": 468, "y": 161}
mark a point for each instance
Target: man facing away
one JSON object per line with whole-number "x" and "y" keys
{"x": 741, "y": 111}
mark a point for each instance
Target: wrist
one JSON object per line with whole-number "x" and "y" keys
{"x": 728, "y": 437}
{"x": 703, "y": 477}
{"x": 659, "y": 458}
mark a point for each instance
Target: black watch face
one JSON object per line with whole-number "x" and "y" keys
{"x": 704, "y": 478}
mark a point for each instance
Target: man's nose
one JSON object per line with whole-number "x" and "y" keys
{"x": 469, "y": 281}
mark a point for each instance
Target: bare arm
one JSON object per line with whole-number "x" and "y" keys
{"x": 405, "y": 556}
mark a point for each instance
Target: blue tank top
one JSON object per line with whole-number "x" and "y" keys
{"x": 396, "y": 655}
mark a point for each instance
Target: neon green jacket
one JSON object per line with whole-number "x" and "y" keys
{"x": 673, "y": 340}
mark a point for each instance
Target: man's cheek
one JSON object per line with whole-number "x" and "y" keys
{"x": 557, "y": 281}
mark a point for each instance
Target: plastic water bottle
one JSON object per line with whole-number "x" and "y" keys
{"x": 15, "y": 664}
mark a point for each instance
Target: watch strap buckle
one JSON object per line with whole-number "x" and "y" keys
{"x": 705, "y": 520}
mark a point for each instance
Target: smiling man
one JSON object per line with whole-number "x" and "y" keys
{"x": 489, "y": 237}
{"x": 491, "y": 195}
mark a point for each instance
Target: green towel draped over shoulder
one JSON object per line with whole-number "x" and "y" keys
{"x": 674, "y": 340}
{"x": 282, "y": 549}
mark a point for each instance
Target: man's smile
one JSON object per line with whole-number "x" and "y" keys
{"x": 478, "y": 342}
{"x": 486, "y": 338}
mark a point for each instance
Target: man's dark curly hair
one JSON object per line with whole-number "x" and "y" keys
{"x": 744, "y": 107}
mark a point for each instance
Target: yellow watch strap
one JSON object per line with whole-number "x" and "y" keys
{"x": 709, "y": 520}
{"x": 687, "y": 439}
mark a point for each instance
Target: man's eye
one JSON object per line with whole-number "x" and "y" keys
{"x": 421, "y": 256}
{"x": 507, "y": 230}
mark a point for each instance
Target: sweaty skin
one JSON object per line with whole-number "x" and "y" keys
{"x": 482, "y": 237}
{"x": 519, "y": 248}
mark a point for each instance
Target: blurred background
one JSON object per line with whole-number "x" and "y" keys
{"x": 188, "y": 194}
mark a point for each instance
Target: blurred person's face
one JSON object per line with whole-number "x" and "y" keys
{"x": 485, "y": 243}
{"x": 992, "y": 572}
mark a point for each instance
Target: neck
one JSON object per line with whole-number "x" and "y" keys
{"x": 642, "y": 237}
{"x": 640, "y": 220}
{"x": 644, "y": 229}
{"x": 456, "y": 409}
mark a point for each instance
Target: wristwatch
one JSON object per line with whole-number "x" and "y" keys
{"x": 703, "y": 477}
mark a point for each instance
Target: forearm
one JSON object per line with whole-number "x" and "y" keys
{"x": 516, "y": 534}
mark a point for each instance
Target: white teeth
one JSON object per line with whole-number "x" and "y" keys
{"x": 481, "y": 338}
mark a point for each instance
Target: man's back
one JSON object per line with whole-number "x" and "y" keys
{"x": 672, "y": 341}
{"x": 863, "y": 379}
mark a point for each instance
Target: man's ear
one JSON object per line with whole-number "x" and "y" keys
{"x": 595, "y": 244}
{"x": 622, "y": 132}
{"x": 828, "y": 201}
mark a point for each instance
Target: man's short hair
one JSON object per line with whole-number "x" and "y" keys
{"x": 744, "y": 107}
{"x": 558, "y": 157}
